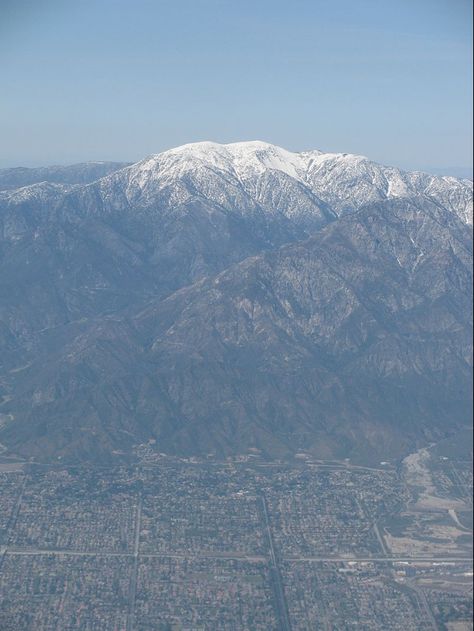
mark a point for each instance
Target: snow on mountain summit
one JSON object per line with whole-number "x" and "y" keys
{"x": 237, "y": 158}
{"x": 256, "y": 173}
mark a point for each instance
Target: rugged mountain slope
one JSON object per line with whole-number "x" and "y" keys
{"x": 104, "y": 347}
{"x": 249, "y": 176}
{"x": 173, "y": 218}
{"x": 354, "y": 342}
{"x": 98, "y": 248}
{"x": 72, "y": 174}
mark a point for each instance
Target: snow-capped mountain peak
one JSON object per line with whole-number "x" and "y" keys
{"x": 241, "y": 158}
{"x": 240, "y": 175}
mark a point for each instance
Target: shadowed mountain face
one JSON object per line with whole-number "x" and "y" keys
{"x": 220, "y": 298}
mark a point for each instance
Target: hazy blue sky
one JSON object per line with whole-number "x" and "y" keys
{"x": 116, "y": 79}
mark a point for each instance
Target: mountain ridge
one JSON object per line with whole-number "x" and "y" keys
{"x": 133, "y": 307}
{"x": 317, "y": 170}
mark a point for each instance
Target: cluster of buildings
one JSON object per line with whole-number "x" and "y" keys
{"x": 181, "y": 546}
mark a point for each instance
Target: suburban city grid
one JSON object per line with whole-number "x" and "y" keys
{"x": 173, "y": 544}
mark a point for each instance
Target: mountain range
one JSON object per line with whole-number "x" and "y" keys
{"x": 68, "y": 175}
{"x": 220, "y": 298}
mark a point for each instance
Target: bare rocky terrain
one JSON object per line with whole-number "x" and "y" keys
{"x": 224, "y": 298}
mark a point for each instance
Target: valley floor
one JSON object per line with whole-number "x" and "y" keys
{"x": 178, "y": 545}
